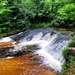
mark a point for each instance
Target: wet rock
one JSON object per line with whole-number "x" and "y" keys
{"x": 24, "y": 50}
{"x": 5, "y": 47}
{"x": 30, "y": 47}
{"x": 23, "y": 65}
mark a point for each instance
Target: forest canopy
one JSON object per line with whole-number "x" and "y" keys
{"x": 19, "y": 14}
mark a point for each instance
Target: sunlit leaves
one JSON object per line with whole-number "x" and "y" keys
{"x": 67, "y": 12}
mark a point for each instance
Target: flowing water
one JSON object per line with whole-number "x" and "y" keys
{"x": 48, "y": 44}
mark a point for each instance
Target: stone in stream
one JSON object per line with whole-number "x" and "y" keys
{"x": 8, "y": 49}
{"x": 24, "y": 65}
{"x": 5, "y": 47}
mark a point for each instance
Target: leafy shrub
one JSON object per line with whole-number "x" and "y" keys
{"x": 66, "y": 53}
{"x": 69, "y": 65}
{"x": 10, "y": 18}
{"x": 71, "y": 59}
{"x": 67, "y": 12}
{"x": 19, "y": 14}
{"x": 72, "y": 43}
{"x": 34, "y": 10}
{"x": 56, "y": 12}
{"x": 73, "y": 38}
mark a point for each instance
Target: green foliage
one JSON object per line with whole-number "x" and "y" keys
{"x": 67, "y": 12}
{"x": 4, "y": 13}
{"x": 66, "y": 53}
{"x": 72, "y": 42}
{"x": 3, "y": 7}
{"x": 71, "y": 59}
{"x": 56, "y": 12}
{"x": 10, "y": 18}
{"x": 73, "y": 70}
{"x": 36, "y": 11}
{"x": 73, "y": 38}
{"x": 18, "y": 14}
{"x": 69, "y": 65}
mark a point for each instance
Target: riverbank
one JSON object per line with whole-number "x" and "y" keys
{"x": 69, "y": 54}
{"x": 69, "y": 30}
{"x": 12, "y": 32}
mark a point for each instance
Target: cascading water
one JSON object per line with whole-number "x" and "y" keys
{"x": 50, "y": 45}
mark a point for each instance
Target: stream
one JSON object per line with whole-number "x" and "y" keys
{"x": 44, "y": 47}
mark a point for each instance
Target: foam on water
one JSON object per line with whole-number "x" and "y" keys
{"x": 49, "y": 61}
{"x": 47, "y": 58}
{"x": 6, "y": 39}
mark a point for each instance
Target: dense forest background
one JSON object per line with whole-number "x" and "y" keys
{"x": 22, "y": 14}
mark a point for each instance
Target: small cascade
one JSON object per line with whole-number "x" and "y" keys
{"x": 49, "y": 45}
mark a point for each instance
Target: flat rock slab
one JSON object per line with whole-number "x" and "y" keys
{"x": 6, "y": 44}
{"x": 24, "y": 65}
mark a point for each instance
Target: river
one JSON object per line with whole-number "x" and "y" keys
{"x": 33, "y": 52}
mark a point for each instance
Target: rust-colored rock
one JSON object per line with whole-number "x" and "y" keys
{"x": 23, "y": 65}
{"x": 6, "y": 44}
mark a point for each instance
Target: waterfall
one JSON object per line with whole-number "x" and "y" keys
{"x": 50, "y": 45}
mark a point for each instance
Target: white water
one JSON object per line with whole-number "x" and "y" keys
{"x": 6, "y": 39}
{"x": 51, "y": 44}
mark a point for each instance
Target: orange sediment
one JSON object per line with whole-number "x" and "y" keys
{"x": 23, "y": 65}
{"x": 5, "y": 44}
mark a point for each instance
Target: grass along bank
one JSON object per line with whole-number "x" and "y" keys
{"x": 12, "y": 32}
{"x": 69, "y": 55}
{"x": 15, "y": 30}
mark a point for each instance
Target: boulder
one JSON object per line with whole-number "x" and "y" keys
{"x": 5, "y": 47}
